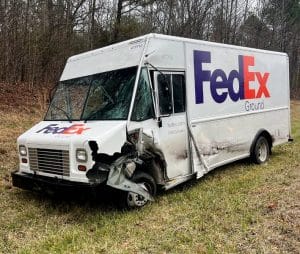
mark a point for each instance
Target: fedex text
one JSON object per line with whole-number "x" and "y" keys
{"x": 222, "y": 84}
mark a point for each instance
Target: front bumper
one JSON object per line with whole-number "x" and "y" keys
{"x": 43, "y": 183}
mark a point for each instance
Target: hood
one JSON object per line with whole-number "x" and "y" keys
{"x": 110, "y": 135}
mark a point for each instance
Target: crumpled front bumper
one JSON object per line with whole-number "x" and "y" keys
{"x": 42, "y": 183}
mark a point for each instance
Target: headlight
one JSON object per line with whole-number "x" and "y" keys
{"x": 22, "y": 150}
{"x": 81, "y": 155}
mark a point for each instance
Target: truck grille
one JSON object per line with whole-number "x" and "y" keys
{"x": 49, "y": 161}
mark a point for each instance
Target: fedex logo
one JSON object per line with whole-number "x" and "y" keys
{"x": 55, "y": 129}
{"x": 221, "y": 85}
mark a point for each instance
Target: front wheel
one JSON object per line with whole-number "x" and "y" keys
{"x": 130, "y": 200}
{"x": 261, "y": 151}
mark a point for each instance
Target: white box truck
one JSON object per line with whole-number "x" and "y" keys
{"x": 156, "y": 111}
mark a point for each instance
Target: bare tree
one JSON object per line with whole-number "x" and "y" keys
{"x": 37, "y": 36}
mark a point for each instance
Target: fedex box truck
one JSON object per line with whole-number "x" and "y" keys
{"x": 156, "y": 111}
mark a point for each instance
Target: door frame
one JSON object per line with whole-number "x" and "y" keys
{"x": 159, "y": 115}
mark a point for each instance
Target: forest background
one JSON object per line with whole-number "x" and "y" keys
{"x": 239, "y": 208}
{"x": 37, "y": 36}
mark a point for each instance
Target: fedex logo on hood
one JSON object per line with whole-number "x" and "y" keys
{"x": 56, "y": 129}
{"x": 222, "y": 85}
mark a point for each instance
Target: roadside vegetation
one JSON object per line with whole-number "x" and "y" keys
{"x": 239, "y": 208}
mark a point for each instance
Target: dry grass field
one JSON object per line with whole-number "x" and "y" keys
{"x": 239, "y": 208}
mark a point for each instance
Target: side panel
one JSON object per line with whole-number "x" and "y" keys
{"x": 228, "y": 139}
{"x": 232, "y": 94}
{"x": 222, "y": 74}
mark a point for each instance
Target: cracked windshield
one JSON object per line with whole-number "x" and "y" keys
{"x": 104, "y": 96}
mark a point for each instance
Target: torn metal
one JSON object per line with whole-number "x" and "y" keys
{"x": 117, "y": 170}
{"x": 117, "y": 179}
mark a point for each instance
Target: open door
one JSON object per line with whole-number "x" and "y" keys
{"x": 173, "y": 134}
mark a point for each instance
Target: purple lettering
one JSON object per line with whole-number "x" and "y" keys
{"x": 218, "y": 81}
{"x": 47, "y": 129}
{"x": 200, "y": 75}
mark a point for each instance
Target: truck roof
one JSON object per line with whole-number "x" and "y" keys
{"x": 166, "y": 37}
{"x": 164, "y": 51}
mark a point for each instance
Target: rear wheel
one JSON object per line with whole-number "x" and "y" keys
{"x": 130, "y": 200}
{"x": 261, "y": 151}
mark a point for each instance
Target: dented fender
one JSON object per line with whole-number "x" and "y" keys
{"x": 116, "y": 170}
{"x": 117, "y": 179}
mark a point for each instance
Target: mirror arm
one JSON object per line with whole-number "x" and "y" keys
{"x": 159, "y": 122}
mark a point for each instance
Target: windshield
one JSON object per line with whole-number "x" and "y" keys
{"x": 104, "y": 96}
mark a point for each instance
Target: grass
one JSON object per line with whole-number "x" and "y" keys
{"x": 239, "y": 208}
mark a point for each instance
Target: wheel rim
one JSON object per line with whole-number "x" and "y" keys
{"x": 262, "y": 152}
{"x": 136, "y": 200}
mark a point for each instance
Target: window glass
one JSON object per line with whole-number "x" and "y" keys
{"x": 110, "y": 95}
{"x": 178, "y": 93}
{"x": 69, "y": 99}
{"x": 103, "y": 96}
{"x": 143, "y": 105}
{"x": 164, "y": 94}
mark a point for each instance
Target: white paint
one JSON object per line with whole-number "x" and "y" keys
{"x": 223, "y": 132}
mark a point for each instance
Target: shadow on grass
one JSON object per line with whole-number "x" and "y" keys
{"x": 103, "y": 199}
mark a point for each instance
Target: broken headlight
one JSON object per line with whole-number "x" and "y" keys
{"x": 134, "y": 136}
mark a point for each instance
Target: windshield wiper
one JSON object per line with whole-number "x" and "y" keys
{"x": 65, "y": 113}
{"x": 107, "y": 94}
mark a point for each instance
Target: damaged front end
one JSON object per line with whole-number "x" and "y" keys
{"x": 122, "y": 170}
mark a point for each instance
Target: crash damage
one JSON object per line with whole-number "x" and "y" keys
{"x": 139, "y": 152}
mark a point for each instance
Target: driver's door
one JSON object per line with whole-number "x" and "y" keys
{"x": 173, "y": 135}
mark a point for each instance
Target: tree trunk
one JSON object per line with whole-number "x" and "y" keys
{"x": 118, "y": 20}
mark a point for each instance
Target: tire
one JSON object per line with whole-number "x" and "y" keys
{"x": 261, "y": 150}
{"x": 130, "y": 200}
